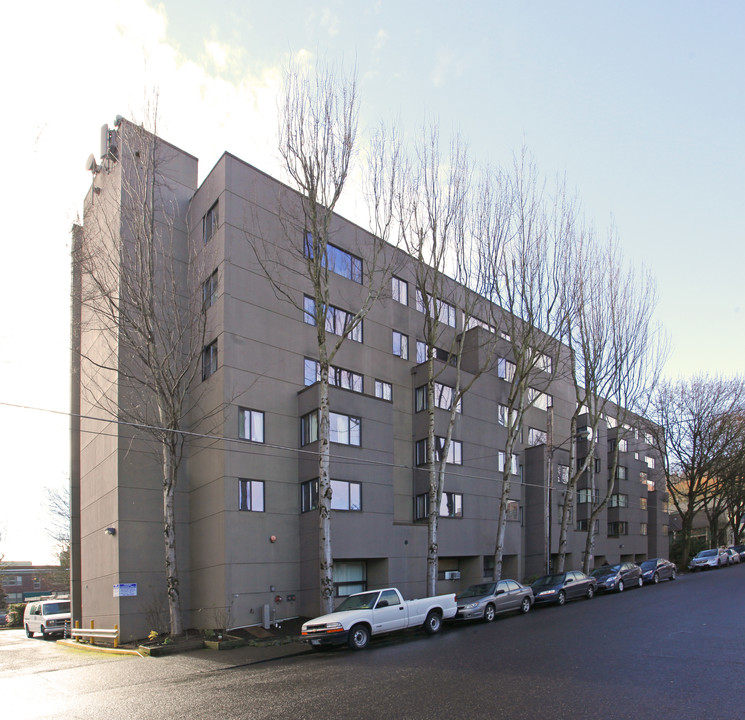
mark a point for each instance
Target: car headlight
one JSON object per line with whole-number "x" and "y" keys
{"x": 471, "y": 606}
{"x": 547, "y": 592}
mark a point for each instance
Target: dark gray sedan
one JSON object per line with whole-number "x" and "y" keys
{"x": 618, "y": 577}
{"x": 656, "y": 569}
{"x": 486, "y": 600}
{"x": 560, "y": 587}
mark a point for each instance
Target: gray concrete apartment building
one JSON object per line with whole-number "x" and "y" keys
{"x": 247, "y": 530}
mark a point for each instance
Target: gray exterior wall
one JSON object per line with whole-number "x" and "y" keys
{"x": 234, "y": 562}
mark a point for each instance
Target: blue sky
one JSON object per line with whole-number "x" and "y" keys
{"x": 640, "y": 104}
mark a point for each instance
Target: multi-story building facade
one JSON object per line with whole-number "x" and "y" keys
{"x": 20, "y": 580}
{"x": 247, "y": 501}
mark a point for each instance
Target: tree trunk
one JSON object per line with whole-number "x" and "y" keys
{"x": 326, "y": 565}
{"x": 170, "y": 468}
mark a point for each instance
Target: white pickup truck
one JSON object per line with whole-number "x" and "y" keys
{"x": 375, "y": 612}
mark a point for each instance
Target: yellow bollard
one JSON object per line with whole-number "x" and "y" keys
{"x": 116, "y": 637}
{"x": 93, "y": 627}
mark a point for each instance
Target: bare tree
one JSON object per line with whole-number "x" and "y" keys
{"x": 527, "y": 286}
{"x": 448, "y": 223}
{"x": 142, "y": 316}
{"x": 693, "y": 432}
{"x": 630, "y": 350}
{"x": 318, "y": 135}
{"x": 733, "y": 483}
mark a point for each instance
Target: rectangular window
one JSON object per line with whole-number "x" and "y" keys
{"x": 536, "y": 437}
{"x": 309, "y": 495}
{"x": 642, "y": 503}
{"x": 472, "y": 322}
{"x": 209, "y": 223}
{"x": 338, "y": 321}
{"x": 443, "y": 398}
{"x": 538, "y": 399}
{"x": 251, "y": 425}
{"x": 513, "y": 510}
{"x": 346, "y": 495}
{"x": 344, "y": 429}
{"x": 623, "y": 445}
{"x": 309, "y": 428}
{"x": 619, "y": 500}
{"x": 544, "y": 363}
{"x": 400, "y": 345}
{"x": 650, "y": 462}
{"x": 421, "y": 351}
{"x": 643, "y": 478}
{"x": 514, "y": 469}
{"x": 400, "y": 290}
{"x": 383, "y": 390}
{"x": 251, "y": 495}
{"x": 337, "y": 260}
{"x": 505, "y": 369}
{"x": 643, "y": 528}
{"x": 616, "y": 529}
{"x": 349, "y": 577}
{"x": 451, "y": 505}
{"x": 621, "y": 472}
{"x": 598, "y": 465}
{"x": 338, "y": 377}
{"x": 443, "y": 311}
{"x": 455, "y": 452}
{"x": 209, "y": 291}
{"x": 582, "y": 526}
{"x": 502, "y": 411}
{"x": 562, "y": 474}
{"x": 588, "y": 495}
{"x": 209, "y": 360}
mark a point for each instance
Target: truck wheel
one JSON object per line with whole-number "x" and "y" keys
{"x": 433, "y": 622}
{"x": 28, "y": 631}
{"x": 359, "y": 636}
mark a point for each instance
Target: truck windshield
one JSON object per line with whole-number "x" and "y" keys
{"x": 363, "y": 601}
{"x": 56, "y": 608}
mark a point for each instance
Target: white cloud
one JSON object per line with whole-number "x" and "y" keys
{"x": 85, "y": 67}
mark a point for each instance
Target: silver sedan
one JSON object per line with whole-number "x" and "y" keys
{"x": 486, "y": 600}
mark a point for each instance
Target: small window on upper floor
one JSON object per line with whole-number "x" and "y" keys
{"x": 337, "y": 260}
{"x": 400, "y": 290}
{"x": 251, "y": 425}
{"x": 209, "y": 360}
{"x": 383, "y": 390}
{"x": 251, "y": 495}
{"x": 209, "y": 291}
{"x": 209, "y": 223}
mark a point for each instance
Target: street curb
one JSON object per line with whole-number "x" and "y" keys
{"x": 98, "y": 648}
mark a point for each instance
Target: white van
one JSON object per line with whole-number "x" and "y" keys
{"x": 48, "y": 617}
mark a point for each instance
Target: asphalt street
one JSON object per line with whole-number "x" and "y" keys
{"x": 674, "y": 650}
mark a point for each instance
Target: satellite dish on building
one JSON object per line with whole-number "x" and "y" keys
{"x": 91, "y": 165}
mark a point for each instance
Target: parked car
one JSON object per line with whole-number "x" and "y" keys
{"x": 486, "y": 600}
{"x": 733, "y": 556}
{"x": 560, "y": 587}
{"x": 3, "y": 617}
{"x": 48, "y": 617}
{"x": 714, "y": 557}
{"x": 618, "y": 577}
{"x": 656, "y": 569}
{"x": 374, "y": 612}
{"x": 740, "y": 549}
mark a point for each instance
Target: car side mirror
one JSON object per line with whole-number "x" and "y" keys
{"x": 499, "y": 592}
{"x": 383, "y": 603}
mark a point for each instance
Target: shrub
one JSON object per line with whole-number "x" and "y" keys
{"x": 15, "y": 614}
